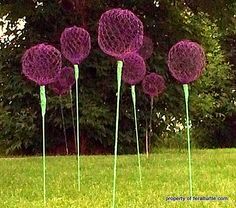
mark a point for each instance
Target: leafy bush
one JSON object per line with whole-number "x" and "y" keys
{"x": 211, "y": 97}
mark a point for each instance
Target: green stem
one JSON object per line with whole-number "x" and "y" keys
{"x": 43, "y": 109}
{"x": 186, "y": 95}
{"x": 76, "y": 67}
{"x": 73, "y": 118}
{"x": 146, "y": 136}
{"x": 63, "y": 125}
{"x": 44, "y": 162}
{"x": 119, "y": 74}
{"x": 150, "y": 125}
{"x": 136, "y": 132}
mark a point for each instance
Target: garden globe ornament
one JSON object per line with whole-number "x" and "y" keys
{"x": 146, "y": 49}
{"x": 65, "y": 80}
{"x": 186, "y": 62}
{"x": 61, "y": 87}
{"x": 42, "y": 64}
{"x": 119, "y": 32}
{"x": 134, "y": 71}
{"x": 153, "y": 85}
{"x": 75, "y": 47}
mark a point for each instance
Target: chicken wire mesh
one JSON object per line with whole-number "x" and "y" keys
{"x": 186, "y": 61}
{"x": 134, "y": 69}
{"x": 153, "y": 84}
{"x": 41, "y": 63}
{"x": 119, "y": 32}
{"x": 64, "y": 81}
{"x": 75, "y": 44}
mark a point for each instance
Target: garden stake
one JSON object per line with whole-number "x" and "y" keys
{"x": 75, "y": 46}
{"x": 42, "y": 64}
{"x": 150, "y": 125}
{"x": 119, "y": 74}
{"x": 186, "y": 62}
{"x": 73, "y": 117}
{"x": 76, "y": 67}
{"x": 43, "y": 110}
{"x": 136, "y": 132}
{"x": 63, "y": 125}
{"x": 186, "y": 95}
{"x": 153, "y": 85}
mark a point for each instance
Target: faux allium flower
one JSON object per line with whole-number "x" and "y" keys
{"x": 119, "y": 32}
{"x": 153, "y": 84}
{"x": 64, "y": 81}
{"x": 41, "y": 64}
{"x": 134, "y": 69}
{"x": 75, "y": 44}
{"x": 186, "y": 61}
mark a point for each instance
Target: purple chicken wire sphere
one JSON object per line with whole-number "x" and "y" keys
{"x": 64, "y": 81}
{"x": 153, "y": 84}
{"x": 41, "y": 64}
{"x": 134, "y": 69}
{"x": 186, "y": 61}
{"x": 119, "y": 32}
{"x": 75, "y": 44}
{"x": 146, "y": 49}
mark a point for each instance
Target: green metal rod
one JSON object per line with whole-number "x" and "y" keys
{"x": 44, "y": 163}
{"x": 136, "y": 132}
{"x": 73, "y": 118}
{"x": 186, "y": 95}
{"x": 119, "y": 74}
{"x": 150, "y": 125}
{"x": 43, "y": 102}
{"x": 76, "y": 67}
{"x": 64, "y": 126}
{"x": 146, "y": 137}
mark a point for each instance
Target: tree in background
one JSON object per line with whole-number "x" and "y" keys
{"x": 166, "y": 22}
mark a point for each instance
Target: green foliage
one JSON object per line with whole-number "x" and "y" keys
{"x": 212, "y": 94}
{"x": 211, "y": 97}
{"x": 19, "y": 129}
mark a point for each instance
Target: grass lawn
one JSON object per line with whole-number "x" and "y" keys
{"x": 164, "y": 174}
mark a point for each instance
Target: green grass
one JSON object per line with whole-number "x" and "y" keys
{"x": 164, "y": 174}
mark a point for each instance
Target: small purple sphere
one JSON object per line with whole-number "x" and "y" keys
{"x": 41, "y": 64}
{"x": 186, "y": 61}
{"x": 146, "y": 49}
{"x": 153, "y": 84}
{"x": 64, "y": 81}
{"x": 119, "y": 32}
{"x": 134, "y": 69}
{"x": 75, "y": 44}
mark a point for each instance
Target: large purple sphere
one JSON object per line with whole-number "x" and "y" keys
{"x": 41, "y": 64}
{"x": 119, "y": 32}
{"x": 64, "y": 81}
{"x": 153, "y": 84}
{"x": 146, "y": 49}
{"x": 134, "y": 69}
{"x": 186, "y": 61}
{"x": 75, "y": 44}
